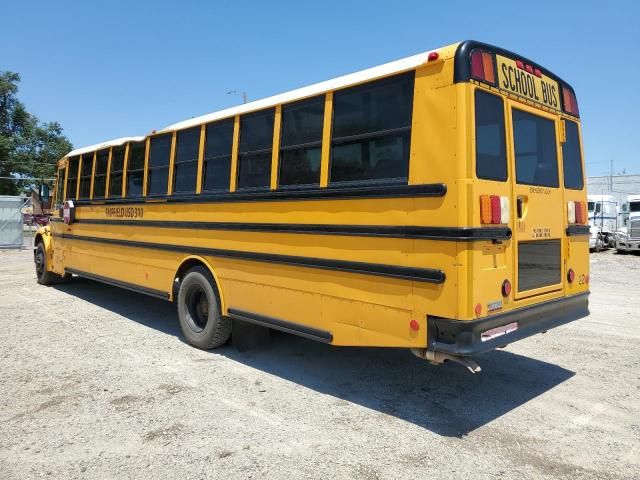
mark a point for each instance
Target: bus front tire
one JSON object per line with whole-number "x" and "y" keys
{"x": 199, "y": 310}
{"x": 45, "y": 276}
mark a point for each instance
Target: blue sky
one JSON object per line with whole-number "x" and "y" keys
{"x": 111, "y": 69}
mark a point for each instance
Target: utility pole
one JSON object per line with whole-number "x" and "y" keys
{"x": 611, "y": 177}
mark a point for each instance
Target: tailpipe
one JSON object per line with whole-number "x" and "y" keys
{"x": 438, "y": 358}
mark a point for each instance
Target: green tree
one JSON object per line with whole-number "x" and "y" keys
{"x": 28, "y": 148}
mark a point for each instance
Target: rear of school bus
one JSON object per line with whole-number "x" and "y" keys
{"x": 522, "y": 154}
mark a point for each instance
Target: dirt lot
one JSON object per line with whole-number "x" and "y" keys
{"x": 96, "y": 382}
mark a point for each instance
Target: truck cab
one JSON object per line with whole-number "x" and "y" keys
{"x": 627, "y": 238}
{"x": 603, "y": 221}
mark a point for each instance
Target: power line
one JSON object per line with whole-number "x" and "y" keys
{"x": 28, "y": 163}
{"x": 26, "y": 178}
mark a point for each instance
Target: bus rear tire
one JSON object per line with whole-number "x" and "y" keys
{"x": 199, "y": 311}
{"x": 44, "y": 276}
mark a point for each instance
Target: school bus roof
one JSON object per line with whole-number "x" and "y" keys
{"x": 391, "y": 68}
{"x": 99, "y": 146}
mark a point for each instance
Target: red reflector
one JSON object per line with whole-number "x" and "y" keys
{"x": 506, "y": 288}
{"x": 478, "y": 309}
{"x": 586, "y": 279}
{"x": 571, "y": 275}
{"x": 477, "y": 67}
{"x": 519, "y": 64}
{"x": 537, "y": 72}
{"x": 529, "y": 68}
{"x": 414, "y": 325}
{"x": 433, "y": 56}
{"x": 496, "y": 212}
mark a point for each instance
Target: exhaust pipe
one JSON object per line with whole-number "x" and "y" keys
{"x": 438, "y": 358}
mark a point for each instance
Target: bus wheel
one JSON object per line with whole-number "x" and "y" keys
{"x": 199, "y": 311}
{"x": 44, "y": 276}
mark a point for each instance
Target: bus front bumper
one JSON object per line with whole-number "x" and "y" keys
{"x": 471, "y": 337}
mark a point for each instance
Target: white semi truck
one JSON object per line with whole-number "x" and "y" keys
{"x": 603, "y": 220}
{"x": 628, "y": 237}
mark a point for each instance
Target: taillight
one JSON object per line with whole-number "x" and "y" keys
{"x": 569, "y": 102}
{"x": 581, "y": 213}
{"x": 494, "y": 209}
{"x": 482, "y": 66}
{"x": 496, "y": 214}
{"x": 571, "y": 275}
{"x": 576, "y": 212}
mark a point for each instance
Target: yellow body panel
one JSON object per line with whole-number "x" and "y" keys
{"x": 358, "y": 309}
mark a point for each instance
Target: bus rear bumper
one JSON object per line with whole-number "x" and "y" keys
{"x": 460, "y": 337}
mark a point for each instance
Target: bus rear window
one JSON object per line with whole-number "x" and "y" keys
{"x": 491, "y": 157}
{"x": 571, "y": 158}
{"x": 534, "y": 140}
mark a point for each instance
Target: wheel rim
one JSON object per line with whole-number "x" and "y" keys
{"x": 197, "y": 305}
{"x": 39, "y": 263}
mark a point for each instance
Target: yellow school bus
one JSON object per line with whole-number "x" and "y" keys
{"x": 435, "y": 203}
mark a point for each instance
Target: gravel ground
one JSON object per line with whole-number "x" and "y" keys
{"x": 96, "y": 382}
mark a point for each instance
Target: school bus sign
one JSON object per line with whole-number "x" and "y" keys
{"x": 532, "y": 85}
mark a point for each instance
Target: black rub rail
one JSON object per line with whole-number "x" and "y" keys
{"x": 402, "y": 231}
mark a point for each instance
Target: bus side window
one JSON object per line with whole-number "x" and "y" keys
{"x": 72, "y": 178}
{"x": 254, "y": 155}
{"x": 100, "y": 177}
{"x": 135, "y": 168}
{"x": 371, "y": 131}
{"x": 491, "y": 156}
{"x": 59, "y": 191}
{"x": 218, "y": 143}
{"x": 115, "y": 176}
{"x": 186, "y": 161}
{"x": 301, "y": 142}
{"x": 85, "y": 177}
{"x": 158, "y": 175}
